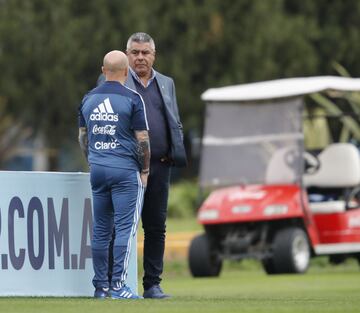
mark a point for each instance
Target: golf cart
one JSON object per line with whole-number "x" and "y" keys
{"x": 270, "y": 199}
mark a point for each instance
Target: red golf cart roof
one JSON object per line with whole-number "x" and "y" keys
{"x": 281, "y": 88}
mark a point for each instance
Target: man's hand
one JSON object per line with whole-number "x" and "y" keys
{"x": 144, "y": 178}
{"x": 83, "y": 141}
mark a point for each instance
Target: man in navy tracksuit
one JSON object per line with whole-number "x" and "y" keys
{"x": 113, "y": 134}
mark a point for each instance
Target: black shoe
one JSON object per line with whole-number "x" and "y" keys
{"x": 155, "y": 292}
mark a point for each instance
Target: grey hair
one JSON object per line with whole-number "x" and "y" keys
{"x": 140, "y": 37}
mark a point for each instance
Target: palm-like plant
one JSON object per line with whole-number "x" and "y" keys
{"x": 328, "y": 104}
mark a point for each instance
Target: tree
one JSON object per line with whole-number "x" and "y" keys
{"x": 12, "y": 135}
{"x": 51, "y": 51}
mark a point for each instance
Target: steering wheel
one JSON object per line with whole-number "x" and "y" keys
{"x": 291, "y": 157}
{"x": 352, "y": 198}
{"x": 312, "y": 163}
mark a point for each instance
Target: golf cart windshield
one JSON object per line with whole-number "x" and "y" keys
{"x": 253, "y": 132}
{"x": 252, "y": 143}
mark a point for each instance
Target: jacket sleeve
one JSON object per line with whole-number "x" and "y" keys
{"x": 174, "y": 101}
{"x": 178, "y": 152}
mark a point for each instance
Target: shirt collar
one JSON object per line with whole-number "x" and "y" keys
{"x": 134, "y": 75}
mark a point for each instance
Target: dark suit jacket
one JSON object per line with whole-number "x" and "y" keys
{"x": 167, "y": 90}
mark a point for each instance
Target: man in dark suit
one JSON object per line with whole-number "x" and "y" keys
{"x": 167, "y": 149}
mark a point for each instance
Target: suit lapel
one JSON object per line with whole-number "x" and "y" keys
{"x": 163, "y": 91}
{"x": 130, "y": 82}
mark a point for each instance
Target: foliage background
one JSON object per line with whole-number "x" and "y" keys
{"x": 51, "y": 51}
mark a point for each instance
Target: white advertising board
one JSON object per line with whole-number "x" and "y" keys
{"x": 45, "y": 235}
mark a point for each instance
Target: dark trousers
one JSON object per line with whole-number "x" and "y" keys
{"x": 154, "y": 223}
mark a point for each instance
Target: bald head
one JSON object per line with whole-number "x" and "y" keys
{"x": 115, "y": 66}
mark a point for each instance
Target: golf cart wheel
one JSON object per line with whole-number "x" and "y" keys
{"x": 203, "y": 261}
{"x": 291, "y": 251}
{"x": 268, "y": 266}
{"x": 358, "y": 258}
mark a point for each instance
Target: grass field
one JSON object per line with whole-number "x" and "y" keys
{"x": 180, "y": 225}
{"x": 240, "y": 288}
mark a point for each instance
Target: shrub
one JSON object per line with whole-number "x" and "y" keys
{"x": 183, "y": 199}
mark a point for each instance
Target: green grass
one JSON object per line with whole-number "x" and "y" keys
{"x": 183, "y": 225}
{"x": 242, "y": 287}
{"x": 174, "y": 225}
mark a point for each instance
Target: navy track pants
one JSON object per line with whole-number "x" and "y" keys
{"x": 117, "y": 202}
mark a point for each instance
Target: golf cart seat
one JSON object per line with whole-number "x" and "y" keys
{"x": 280, "y": 168}
{"x": 340, "y": 169}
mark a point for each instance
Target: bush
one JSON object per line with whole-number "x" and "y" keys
{"x": 183, "y": 199}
